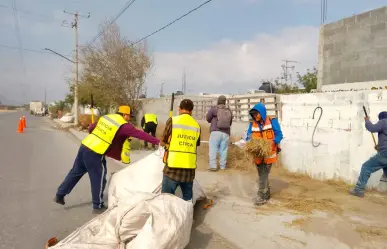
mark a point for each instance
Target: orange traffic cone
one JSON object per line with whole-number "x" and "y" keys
{"x": 24, "y": 122}
{"x": 20, "y": 127}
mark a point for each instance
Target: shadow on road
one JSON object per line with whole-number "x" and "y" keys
{"x": 79, "y": 205}
{"x": 200, "y": 234}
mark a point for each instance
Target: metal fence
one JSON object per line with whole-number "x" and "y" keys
{"x": 239, "y": 106}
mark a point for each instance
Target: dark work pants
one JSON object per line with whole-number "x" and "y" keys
{"x": 90, "y": 162}
{"x": 150, "y": 128}
{"x": 263, "y": 181}
{"x": 169, "y": 186}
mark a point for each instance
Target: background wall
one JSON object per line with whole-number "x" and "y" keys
{"x": 344, "y": 142}
{"x": 354, "y": 49}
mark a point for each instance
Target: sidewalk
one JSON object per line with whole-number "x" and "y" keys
{"x": 294, "y": 218}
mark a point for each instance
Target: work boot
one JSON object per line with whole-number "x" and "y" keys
{"x": 356, "y": 193}
{"x": 59, "y": 199}
{"x": 260, "y": 201}
{"x": 99, "y": 210}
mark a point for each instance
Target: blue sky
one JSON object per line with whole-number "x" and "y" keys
{"x": 227, "y": 44}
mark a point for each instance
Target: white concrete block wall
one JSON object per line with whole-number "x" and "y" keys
{"x": 345, "y": 143}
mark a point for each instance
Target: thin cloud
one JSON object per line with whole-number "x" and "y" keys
{"x": 231, "y": 66}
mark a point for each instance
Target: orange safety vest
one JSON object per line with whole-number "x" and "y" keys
{"x": 266, "y": 133}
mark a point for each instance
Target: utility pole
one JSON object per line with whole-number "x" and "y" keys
{"x": 285, "y": 67}
{"x": 184, "y": 83}
{"x": 45, "y": 96}
{"x": 161, "y": 90}
{"x": 74, "y": 25}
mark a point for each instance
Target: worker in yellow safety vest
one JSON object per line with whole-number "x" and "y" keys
{"x": 181, "y": 137}
{"x": 149, "y": 125}
{"x": 109, "y": 136}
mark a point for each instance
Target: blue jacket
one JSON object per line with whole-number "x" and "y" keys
{"x": 381, "y": 128}
{"x": 274, "y": 123}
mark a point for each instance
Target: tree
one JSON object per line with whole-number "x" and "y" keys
{"x": 308, "y": 80}
{"x": 267, "y": 86}
{"x": 283, "y": 87}
{"x": 114, "y": 71}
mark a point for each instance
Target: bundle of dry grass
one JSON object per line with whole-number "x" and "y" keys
{"x": 258, "y": 147}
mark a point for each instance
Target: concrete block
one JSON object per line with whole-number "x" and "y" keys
{"x": 374, "y": 96}
{"x": 363, "y": 17}
{"x": 333, "y": 25}
{"x": 342, "y": 124}
{"x": 297, "y": 122}
{"x": 379, "y": 12}
{"x": 335, "y": 66}
{"x": 349, "y": 20}
{"x": 380, "y": 27}
{"x": 324, "y": 123}
{"x": 349, "y": 113}
{"x": 329, "y": 46}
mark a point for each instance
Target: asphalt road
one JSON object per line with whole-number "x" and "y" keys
{"x": 33, "y": 164}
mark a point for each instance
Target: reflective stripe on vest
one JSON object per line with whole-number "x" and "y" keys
{"x": 149, "y": 117}
{"x": 182, "y": 146}
{"x": 103, "y": 134}
{"x": 125, "y": 153}
{"x": 267, "y": 133}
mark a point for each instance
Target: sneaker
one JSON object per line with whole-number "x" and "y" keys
{"x": 212, "y": 169}
{"x": 384, "y": 178}
{"x": 59, "y": 200}
{"x": 99, "y": 210}
{"x": 356, "y": 193}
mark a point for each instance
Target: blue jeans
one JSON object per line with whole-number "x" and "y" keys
{"x": 218, "y": 143}
{"x": 169, "y": 186}
{"x": 87, "y": 161}
{"x": 373, "y": 164}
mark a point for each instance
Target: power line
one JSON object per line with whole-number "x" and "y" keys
{"x": 28, "y": 12}
{"x": 24, "y": 49}
{"x": 169, "y": 24}
{"x": 122, "y": 11}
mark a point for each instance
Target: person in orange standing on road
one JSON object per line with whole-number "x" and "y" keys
{"x": 268, "y": 128}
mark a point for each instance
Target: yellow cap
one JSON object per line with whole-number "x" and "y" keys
{"x": 124, "y": 109}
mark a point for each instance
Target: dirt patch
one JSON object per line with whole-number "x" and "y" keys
{"x": 293, "y": 240}
{"x": 297, "y": 222}
{"x": 367, "y": 232}
{"x": 304, "y": 195}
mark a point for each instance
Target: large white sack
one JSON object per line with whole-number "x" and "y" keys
{"x": 67, "y": 118}
{"x": 139, "y": 221}
{"x": 138, "y": 217}
{"x": 144, "y": 175}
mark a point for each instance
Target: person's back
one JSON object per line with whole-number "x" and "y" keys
{"x": 376, "y": 162}
{"x": 181, "y": 136}
{"x": 382, "y": 133}
{"x": 220, "y": 117}
{"x": 149, "y": 125}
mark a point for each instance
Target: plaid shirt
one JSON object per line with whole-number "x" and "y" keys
{"x": 176, "y": 174}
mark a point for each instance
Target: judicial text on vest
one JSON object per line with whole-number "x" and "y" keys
{"x": 186, "y": 137}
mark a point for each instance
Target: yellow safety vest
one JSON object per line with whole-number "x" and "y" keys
{"x": 182, "y": 145}
{"x": 150, "y": 117}
{"x": 103, "y": 134}
{"x": 125, "y": 153}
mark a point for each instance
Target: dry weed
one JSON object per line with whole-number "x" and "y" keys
{"x": 297, "y": 222}
{"x": 258, "y": 147}
{"x": 368, "y": 232}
